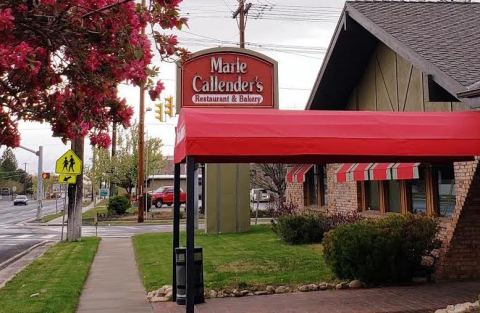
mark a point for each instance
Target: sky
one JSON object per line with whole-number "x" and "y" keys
{"x": 295, "y": 33}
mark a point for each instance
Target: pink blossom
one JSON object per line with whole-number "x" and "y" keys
{"x": 6, "y": 20}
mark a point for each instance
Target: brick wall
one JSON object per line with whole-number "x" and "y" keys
{"x": 340, "y": 197}
{"x": 294, "y": 194}
{"x": 460, "y": 252}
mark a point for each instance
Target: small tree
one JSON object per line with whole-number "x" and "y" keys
{"x": 270, "y": 177}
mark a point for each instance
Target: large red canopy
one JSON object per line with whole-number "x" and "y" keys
{"x": 264, "y": 135}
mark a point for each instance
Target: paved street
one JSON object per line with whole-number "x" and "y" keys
{"x": 15, "y": 238}
{"x": 10, "y": 214}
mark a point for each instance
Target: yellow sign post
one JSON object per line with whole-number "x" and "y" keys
{"x": 68, "y": 166}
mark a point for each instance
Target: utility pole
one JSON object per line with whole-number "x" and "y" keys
{"x": 242, "y": 12}
{"x": 25, "y": 180}
{"x": 38, "y": 153}
{"x": 141, "y": 148}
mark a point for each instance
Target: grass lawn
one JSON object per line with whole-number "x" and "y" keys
{"x": 48, "y": 218}
{"x": 56, "y": 278}
{"x": 254, "y": 258}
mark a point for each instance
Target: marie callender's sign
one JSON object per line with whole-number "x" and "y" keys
{"x": 228, "y": 77}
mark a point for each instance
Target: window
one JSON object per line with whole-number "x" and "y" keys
{"x": 373, "y": 193}
{"x": 446, "y": 190}
{"x": 314, "y": 186}
{"x": 394, "y": 196}
{"x": 418, "y": 196}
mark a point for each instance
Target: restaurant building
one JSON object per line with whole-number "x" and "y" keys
{"x": 402, "y": 56}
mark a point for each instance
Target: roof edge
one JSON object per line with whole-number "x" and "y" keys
{"x": 340, "y": 24}
{"x": 440, "y": 77}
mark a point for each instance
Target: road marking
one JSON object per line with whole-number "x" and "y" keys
{"x": 24, "y": 236}
{"x": 48, "y": 236}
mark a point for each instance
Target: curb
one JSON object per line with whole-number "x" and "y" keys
{"x": 21, "y": 254}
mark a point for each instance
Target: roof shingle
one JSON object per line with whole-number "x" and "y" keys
{"x": 446, "y": 34}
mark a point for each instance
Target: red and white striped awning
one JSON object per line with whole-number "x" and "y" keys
{"x": 381, "y": 171}
{"x": 341, "y": 174}
{"x": 300, "y": 175}
{"x": 296, "y": 174}
{"x": 406, "y": 171}
{"x": 359, "y": 172}
{"x": 291, "y": 172}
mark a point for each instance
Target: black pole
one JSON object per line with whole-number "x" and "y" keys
{"x": 190, "y": 307}
{"x": 203, "y": 190}
{"x": 176, "y": 227}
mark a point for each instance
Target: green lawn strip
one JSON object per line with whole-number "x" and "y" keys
{"x": 57, "y": 277}
{"x": 48, "y": 218}
{"x": 254, "y": 258}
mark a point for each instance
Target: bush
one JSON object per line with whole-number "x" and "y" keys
{"x": 381, "y": 251}
{"x": 118, "y": 205}
{"x": 277, "y": 209}
{"x": 300, "y": 229}
{"x": 340, "y": 218}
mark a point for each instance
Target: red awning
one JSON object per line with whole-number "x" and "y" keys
{"x": 359, "y": 172}
{"x": 405, "y": 171}
{"x": 341, "y": 174}
{"x": 292, "y": 171}
{"x": 381, "y": 171}
{"x": 300, "y": 175}
{"x": 278, "y": 136}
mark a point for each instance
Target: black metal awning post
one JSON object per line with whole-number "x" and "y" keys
{"x": 176, "y": 227}
{"x": 190, "y": 303}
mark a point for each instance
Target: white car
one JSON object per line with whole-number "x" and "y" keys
{"x": 20, "y": 199}
{"x": 259, "y": 194}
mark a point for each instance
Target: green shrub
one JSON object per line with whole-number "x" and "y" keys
{"x": 381, "y": 251}
{"x": 118, "y": 205}
{"x": 300, "y": 229}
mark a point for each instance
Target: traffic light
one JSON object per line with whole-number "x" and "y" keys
{"x": 169, "y": 110}
{"x": 46, "y": 176}
{"x": 159, "y": 111}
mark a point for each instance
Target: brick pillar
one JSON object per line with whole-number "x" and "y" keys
{"x": 460, "y": 252}
{"x": 294, "y": 194}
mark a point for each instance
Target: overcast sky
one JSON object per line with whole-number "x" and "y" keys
{"x": 295, "y": 33}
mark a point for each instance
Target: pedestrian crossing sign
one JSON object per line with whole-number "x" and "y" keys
{"x": 67, "y": 179}
{"x": 69, "y": 164}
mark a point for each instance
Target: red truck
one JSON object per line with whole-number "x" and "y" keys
{"x": 164, "y": 195}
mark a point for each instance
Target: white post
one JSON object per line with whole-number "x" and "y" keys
{"x": 39, "y": 182}
{"x": 195, "y": 202}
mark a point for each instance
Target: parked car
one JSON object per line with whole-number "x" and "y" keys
{"x": 20, "y": 199}
{"x": 164, "y": 195}
{"x": 259, "y": 194}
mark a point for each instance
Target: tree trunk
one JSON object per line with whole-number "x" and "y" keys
{"x": 75, "y": 197}
{"x": 113, "y": 187}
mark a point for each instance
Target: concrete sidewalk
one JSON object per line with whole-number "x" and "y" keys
{"x": 113, "y": 285}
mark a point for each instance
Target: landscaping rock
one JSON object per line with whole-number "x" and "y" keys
{"x": 354, "y": 284}
{"x": 282, "y": 289}
{"x": 169, "y": 295}
{"x": 303, "y": 288}
{"x": 244, "y": 292}
{"x": 212, "y": 294}
{"x": 159, "y": 299}
{"x": 323, "y": 286}
{"x": 331, "y": 286}
{"x": 312, "y": 287}
{"x": 467, "y": 307}
{"x": 33, "y": 295}
{"x": 261, "y": 293}
{"x": 341, "y": 286}
{"x": 270, "y": 289}
{"x": 220, "y": 294}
